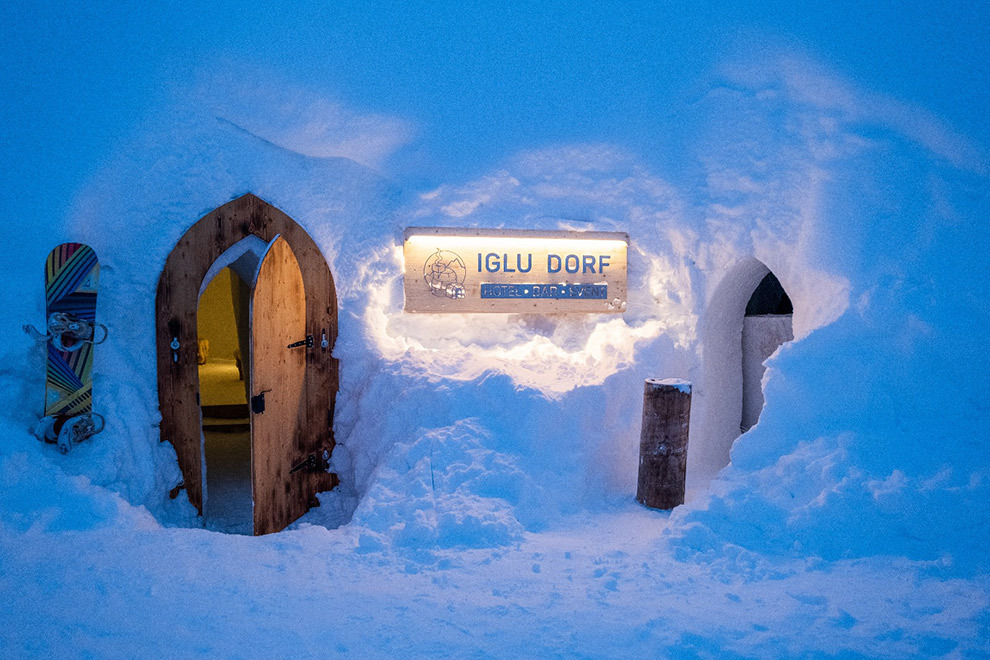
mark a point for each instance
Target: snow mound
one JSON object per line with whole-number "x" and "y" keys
{"x": 870, "y": 441}
{"x": 443, "y": 489}
{"x": 468, "y": 430}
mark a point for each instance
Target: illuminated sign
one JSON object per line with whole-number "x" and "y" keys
{"x": 514, "y": 271}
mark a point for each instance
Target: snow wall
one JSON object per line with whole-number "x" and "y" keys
{"x": 470, "y": 430}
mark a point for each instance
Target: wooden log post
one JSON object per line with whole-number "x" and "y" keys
{"x": 663, "y": 443}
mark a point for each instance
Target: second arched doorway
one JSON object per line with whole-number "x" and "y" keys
{"x": 748, "y": 318}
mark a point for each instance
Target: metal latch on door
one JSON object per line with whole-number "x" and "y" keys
{"x": 309, "y": 464}
{"x": 307, "y": 342}
{"x": 312, "y": 464}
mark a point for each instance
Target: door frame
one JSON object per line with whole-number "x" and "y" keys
{"x": 176, "y": 307}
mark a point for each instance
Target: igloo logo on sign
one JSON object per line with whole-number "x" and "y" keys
{"x": 444, "y": 274}
{"x": 502, "y": 270}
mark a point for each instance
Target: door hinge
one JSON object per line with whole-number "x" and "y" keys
{"x": 307, "y": 342}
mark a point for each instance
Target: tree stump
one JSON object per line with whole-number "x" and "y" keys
{"x": 663, "y": 443}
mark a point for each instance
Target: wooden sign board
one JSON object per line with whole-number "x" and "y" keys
{"x": 514, "y": 271}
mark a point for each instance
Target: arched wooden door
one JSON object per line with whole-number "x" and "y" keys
{"x": 278, "y": 383}
{"x": 176, "y": 335}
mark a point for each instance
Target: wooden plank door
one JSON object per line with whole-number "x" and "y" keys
{"x": 278, "y": 373}
{"x": 175, "y": 326}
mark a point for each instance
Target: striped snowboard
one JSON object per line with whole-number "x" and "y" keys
{"x": 71, "y": 275}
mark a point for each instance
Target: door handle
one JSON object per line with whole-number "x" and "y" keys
{"x": 258, "y": 402}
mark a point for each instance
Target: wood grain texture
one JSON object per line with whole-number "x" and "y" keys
{"x": 278, "y": 318}
{"x": 176, "y": 307}
{"x": 663, "y": 444}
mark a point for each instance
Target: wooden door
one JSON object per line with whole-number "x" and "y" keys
{"x": 176, "y": 305}
{"x": 278, "y": 378}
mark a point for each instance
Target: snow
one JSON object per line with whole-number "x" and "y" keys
{"x": 488, "y": 462}
{"x": 611, "y": 594}
{"x": 677, "y": 383}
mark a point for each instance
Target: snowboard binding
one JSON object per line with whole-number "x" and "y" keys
{"x": 67, "y": 431}
{"x": 68, "y": 333}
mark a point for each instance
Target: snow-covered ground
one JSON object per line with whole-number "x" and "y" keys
{"x": 488, "y": 462}
{"x": 604, "y": 586}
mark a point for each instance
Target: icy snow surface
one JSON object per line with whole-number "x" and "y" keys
{"x": 488, "y": 462}
{"x": 677, "y": 383}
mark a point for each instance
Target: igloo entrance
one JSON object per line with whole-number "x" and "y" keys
{"x": 768, "y": 323}
{"x": 223, "y": 326}
{"x": 749, "y": 316}
{"x": 285, "y": 343}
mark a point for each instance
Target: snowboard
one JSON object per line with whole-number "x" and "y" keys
{"x": 72, "y": 273}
